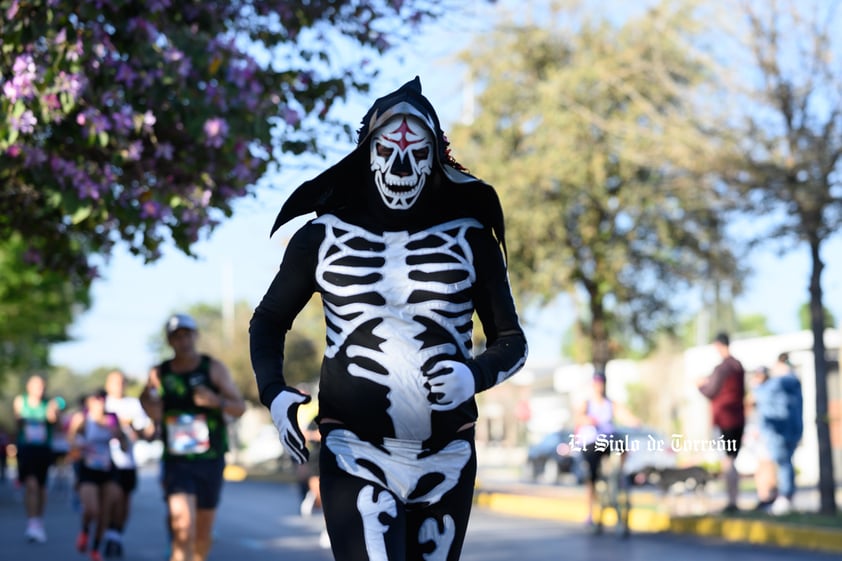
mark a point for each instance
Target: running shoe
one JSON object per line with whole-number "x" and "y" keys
{"x": 113, "y": 549}
{"x": 35, "y": 532}
{"x": 82, "y": 542}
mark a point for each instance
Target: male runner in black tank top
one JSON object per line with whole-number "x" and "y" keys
{"x": 190, "y": 395}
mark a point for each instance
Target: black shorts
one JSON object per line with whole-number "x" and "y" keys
{"x": 94, "y": 476}
{"x": 593, "y": 458}
{"x": 126, "y": 479}
{"x": 34, "y": 461}
{"x": 202, "y": 478}
{"x": 733, "y": 440}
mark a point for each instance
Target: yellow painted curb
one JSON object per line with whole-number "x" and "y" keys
{"x": 760, "y": 532}
{"x": 550, "y": 508}
{"x": 234, "y": 472}
{"x": 647, "y": 520}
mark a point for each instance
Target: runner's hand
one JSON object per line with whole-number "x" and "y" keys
{"x": 284, "y": 412}
{"x": 449, "y": 384}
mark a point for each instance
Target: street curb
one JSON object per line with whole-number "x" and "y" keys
{"x": 760, "y": 532}
{"x": 642, "y": 520}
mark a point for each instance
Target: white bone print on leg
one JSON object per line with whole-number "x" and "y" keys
{"x": 371, "y": 509}
{"x": 429, "y": 532}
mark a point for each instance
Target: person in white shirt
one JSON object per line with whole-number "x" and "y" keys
{"x": 135, "y": 425}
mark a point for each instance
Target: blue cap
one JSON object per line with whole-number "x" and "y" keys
{"x": 180, "y": 321}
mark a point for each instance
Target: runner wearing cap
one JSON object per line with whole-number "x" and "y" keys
{"x": 190, "y": 396}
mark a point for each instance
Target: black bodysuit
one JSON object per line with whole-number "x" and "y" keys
{"x": 399, "y": 291}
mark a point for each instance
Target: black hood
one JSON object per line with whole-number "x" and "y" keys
{"x": 337, "y": 187}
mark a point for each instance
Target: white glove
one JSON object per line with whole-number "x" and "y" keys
{"x": 284, "y": 412}
{"x": 450, "y": 383}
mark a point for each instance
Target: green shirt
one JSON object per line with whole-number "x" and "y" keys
{"x": 33, "y": 427}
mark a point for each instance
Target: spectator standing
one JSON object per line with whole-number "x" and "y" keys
{"x": 757, "y": 434}
{"x": 725, "y": 388}
{"x": 595, "y": 418}
{"x": 788, "y": 427}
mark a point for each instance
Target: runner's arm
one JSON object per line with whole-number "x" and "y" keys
{"x": 150, "y": 398}
{"x": 229, "y": 399}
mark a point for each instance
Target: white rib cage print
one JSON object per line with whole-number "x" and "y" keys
{"x": 408, "y": 298}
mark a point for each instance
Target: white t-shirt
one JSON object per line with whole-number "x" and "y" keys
{"x": 127, "y": 409}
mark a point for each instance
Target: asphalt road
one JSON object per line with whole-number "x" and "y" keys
{"x": 260, "y": 521}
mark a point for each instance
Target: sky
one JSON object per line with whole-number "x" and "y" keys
{"x": 132, "y": 301}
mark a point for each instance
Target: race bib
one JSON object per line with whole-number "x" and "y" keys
{"x": 35, "y": 432}
{"x": 187, "y": 434}
{"x": 98, "y": 458}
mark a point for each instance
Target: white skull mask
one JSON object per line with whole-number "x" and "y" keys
{"x": 401, "y": 159}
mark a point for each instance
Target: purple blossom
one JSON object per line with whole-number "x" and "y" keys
{"x": 12, "y": 11}
{"x": 74, "y": 52}
{"x": 164, "y": 150}
{"x": 125, "y": 74}
{"x": 149, "y": 121}
{"x": 150, "y": 209}
{"x": 70, "y": 83}
{"x": 171, "y": 54}
{"x": 242, "y": 173}
{"x": 61, "y": 37}
{"x": 215, "y": 129}
{"x": 156, "y": 6}
{"x": 52, "y": 103}
{"x": 22, "y": 83}
{"x": 25, "y": 123}
{"x": 291, "y": 116}
{"x": 34, "y": 157}
{"x": 123, "y": 120}
{"x": 134, "y": 151}
{"x": 100, "y": 122}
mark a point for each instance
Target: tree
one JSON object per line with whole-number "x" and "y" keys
{"x": 588, "y": 133}
{"x": 805, "y": 319}
{"x": 788, "y": 149}
{"x": 140, "y": 123}
{"x": 36, "y": 306}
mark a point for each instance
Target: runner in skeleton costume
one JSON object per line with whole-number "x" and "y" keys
{"x": 406, "y": 246}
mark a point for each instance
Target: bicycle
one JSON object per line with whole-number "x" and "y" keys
{"x": 612, "y": 493}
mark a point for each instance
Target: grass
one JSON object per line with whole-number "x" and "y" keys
{"x": 813, "y": 519}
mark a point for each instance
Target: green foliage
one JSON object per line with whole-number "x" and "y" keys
{"x": 591, "y": 136}
{"x": 36, "y": 306}
{"x": 753, "y": 325}
{"x": 804, "y": 317}
{"x": 141, "y": 123}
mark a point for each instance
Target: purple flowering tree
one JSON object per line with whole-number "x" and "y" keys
{"x": 140, "y": 123}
